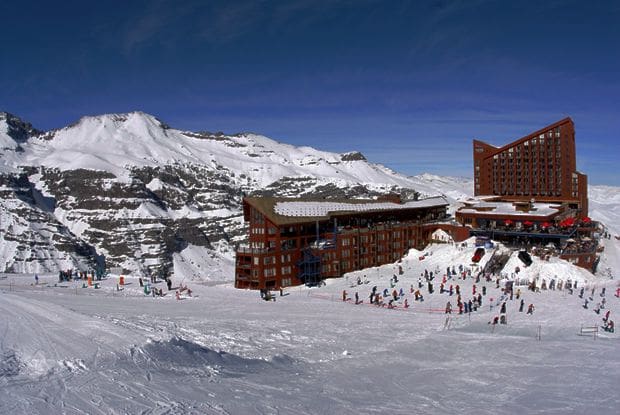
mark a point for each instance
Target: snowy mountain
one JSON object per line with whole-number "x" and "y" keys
{"x": 131, "y": 190}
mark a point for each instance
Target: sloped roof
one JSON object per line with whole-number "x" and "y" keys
{"x": 497, "y": 149}
{"x": 284, "y": 211}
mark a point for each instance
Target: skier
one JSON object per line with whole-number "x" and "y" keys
{"x": 607, "y": 315}
{"x": 503, "y": 308}
{"x": 521, "y": 306}
{"x": 344, "y": 295}
{"x": 36, "y": 279}
{"x": 406, "y": 304}
{"x": 448, "y": 308}
{"x": 357, "y": 298}
{"x": 609, "y": 326}
{"x": 530, "y": 309}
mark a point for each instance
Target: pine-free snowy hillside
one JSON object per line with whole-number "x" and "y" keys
{"x": 74, "y": 350}
{"x": 142, "y": 195}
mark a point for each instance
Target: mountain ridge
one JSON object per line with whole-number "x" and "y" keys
{"x": 129, "y": 190}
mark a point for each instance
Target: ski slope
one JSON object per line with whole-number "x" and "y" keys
{"x": 74, "y": 350}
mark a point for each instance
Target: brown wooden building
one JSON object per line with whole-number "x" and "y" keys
{"x": 540, "y": 166}
{"x": 297, "y": 241}
{"x": 528, "y": 190}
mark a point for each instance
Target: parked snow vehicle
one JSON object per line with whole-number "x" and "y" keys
{"x": 477, "y": 255}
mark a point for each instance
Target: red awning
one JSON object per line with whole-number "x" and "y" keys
{"x": 528, "y": 223}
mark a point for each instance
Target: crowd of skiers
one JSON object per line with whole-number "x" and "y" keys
{"x": 73, "y": 274}
{"x": 608, "y": 324}
{"x": 449, "y": 285}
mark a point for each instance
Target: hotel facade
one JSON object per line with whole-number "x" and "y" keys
{"x": 541, "y": 166}
{"x": 303, "y": 241}
{"x": 528, "y": 193}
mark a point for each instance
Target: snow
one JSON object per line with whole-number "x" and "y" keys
{"x": 507, "y": 208}
{"x": 323, "y": 208}
{"x": 68, "y": 349}
{"x": 114, "y": 142}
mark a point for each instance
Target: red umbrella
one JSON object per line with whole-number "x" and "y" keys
{"x": 545, "y": 224}
{"x": 567, "y": 222}
{"x": 508, "y": 222}
{"x": 586, "y": 220}
{"x": 528, "y": 223}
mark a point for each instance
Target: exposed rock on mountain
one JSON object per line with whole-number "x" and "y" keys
{"x": 129, "y": 191}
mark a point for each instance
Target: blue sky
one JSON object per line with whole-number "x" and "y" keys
{"x": 408, "y": 83}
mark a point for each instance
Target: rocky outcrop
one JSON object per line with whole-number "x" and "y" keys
{"x": 127, "y": 191}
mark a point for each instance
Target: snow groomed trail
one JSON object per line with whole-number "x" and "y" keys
{"x": 80, "y": 350}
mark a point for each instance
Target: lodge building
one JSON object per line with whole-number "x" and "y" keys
{"x": 528, "y": 193}
{"x": 303, "y": 241}
{"x": 539, "y": 166}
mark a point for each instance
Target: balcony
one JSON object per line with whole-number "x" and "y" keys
{"x": 245, "y": 249}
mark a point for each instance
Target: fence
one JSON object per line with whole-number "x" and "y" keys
{"x": 589, "y": 331}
